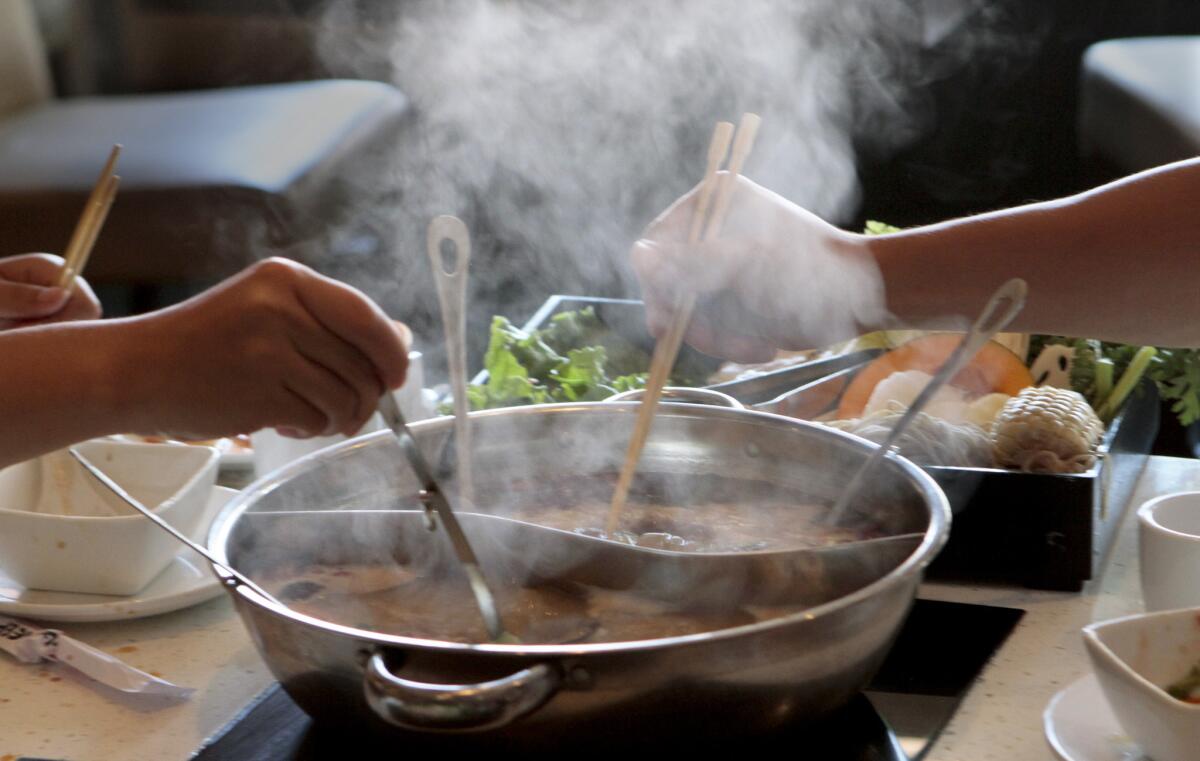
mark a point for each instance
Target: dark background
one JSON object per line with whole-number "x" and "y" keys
{"x": 1001, "y": 127}
{"x": 1003, "y": 130}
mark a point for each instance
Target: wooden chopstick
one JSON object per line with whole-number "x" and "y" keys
{"x": 106, "y": 202}
{"x": 87, "y": 229}
{"x": 707, "y": 220}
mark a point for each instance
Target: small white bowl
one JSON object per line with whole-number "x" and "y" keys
{"x": 1135, "y": 658}
{"x": 115, "y": 550}
{"x": 1169, "y": 551}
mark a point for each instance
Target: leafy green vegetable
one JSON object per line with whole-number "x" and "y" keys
{"x": 1130, "y": 378}
{"x": 1104, "y": 377}
{"x": 1187, "y": 689}
{"x": 1178, "y": 374}
{"x": 875, "y": 227}
{"x": 1088, "y": 352}
{"x": 1097, "y": 363}
{"x": 582, "y": 378}
{"x": 575, "y": 358}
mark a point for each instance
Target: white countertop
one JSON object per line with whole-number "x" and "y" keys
{"x": 1001, "y": 717}
{"x": 48, "y": 713}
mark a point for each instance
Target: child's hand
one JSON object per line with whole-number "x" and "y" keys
{"x": 275, "y": 346}
{"x": 28, "y": 295}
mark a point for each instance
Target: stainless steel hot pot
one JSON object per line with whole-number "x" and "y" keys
{"x": 753, "y": 677}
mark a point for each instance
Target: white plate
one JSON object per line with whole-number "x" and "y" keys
{"x": 1081, "y": 727}
{"x": 187, "y": 581}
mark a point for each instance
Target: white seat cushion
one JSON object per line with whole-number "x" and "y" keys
{"x": 1140, "y": 103}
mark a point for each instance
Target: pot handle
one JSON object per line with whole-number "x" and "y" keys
{"x": 682, "y": 394}
{"x": 457, "y": 707}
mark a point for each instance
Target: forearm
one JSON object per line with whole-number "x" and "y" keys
{"x": 59, "y": 385}
{"x": 1119, "y": 262}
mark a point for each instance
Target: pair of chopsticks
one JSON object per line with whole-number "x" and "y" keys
{"x": 87, "y": 229}
{"x": 712, "y": 205}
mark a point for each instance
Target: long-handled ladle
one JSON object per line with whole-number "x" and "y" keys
{"x": 446, "y": 234}
{"x": 128, "y": 499}
{"x": 1001, "y": 308}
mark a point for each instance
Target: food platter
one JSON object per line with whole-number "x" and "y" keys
{"x": 1044, "y": 531}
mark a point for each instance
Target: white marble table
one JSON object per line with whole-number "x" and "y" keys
{"x": 1001, "y": 717}
{"x": 47, "y": 713}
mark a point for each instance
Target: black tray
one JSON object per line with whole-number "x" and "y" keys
{"x": 1044, "y": 531}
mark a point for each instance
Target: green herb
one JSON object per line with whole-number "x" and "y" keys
{"x": 1187, "y": 689}
{"x": 1176, "y": 372}
{"x": 1104, "y": 377}
{"x": 1133, "y": 373}
{"x": 875, "y": 227}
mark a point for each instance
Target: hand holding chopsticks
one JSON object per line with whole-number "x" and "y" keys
{"x": 87, "y": 230}
{"x": 716, "y": 193}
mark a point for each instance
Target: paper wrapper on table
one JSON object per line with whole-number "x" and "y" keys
{"x": 30, "y": 645}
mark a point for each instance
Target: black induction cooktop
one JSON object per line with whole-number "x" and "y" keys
{"x": 938, "y": 654}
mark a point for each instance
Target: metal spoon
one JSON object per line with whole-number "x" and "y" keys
{"x": 127, "y": 498}
{"x": 1001, "y": 308}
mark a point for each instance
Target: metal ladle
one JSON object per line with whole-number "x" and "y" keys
{"x": 451, "y": 290}
{"x": 128, "y": 499}
{"x": 448, "y": 234}
{"x": 1002, "y": 307}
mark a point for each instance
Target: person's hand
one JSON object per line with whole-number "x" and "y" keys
{"x": 277, "y": 345}
{"x": 28, "y": 295}
{"x": 777, "y": 276}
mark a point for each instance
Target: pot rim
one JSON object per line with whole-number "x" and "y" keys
{"x": 935, "y": 537}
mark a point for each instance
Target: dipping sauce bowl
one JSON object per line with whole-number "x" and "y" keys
{"x": 100, "y": 546}
{"x": 1169, "y": 549}
{"x": 1135, "y": 659}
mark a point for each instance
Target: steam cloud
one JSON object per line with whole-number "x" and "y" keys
{"x": 558, "y": 128}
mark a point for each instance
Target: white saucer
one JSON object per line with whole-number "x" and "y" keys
{"x": 187, "y": 581}
{"x": 1081, "y": 727}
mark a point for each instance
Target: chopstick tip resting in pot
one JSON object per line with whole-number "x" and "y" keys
{"x": 712, "y": 205}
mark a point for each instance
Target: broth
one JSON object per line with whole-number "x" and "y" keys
{"x": 399, "y": 600}
{"x": 709, "y": 527}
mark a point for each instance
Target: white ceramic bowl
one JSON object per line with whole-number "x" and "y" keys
{"x": 1169, "y": 551}
{"x": 116, "y": 554}
{"x": 1135, "y": 658}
